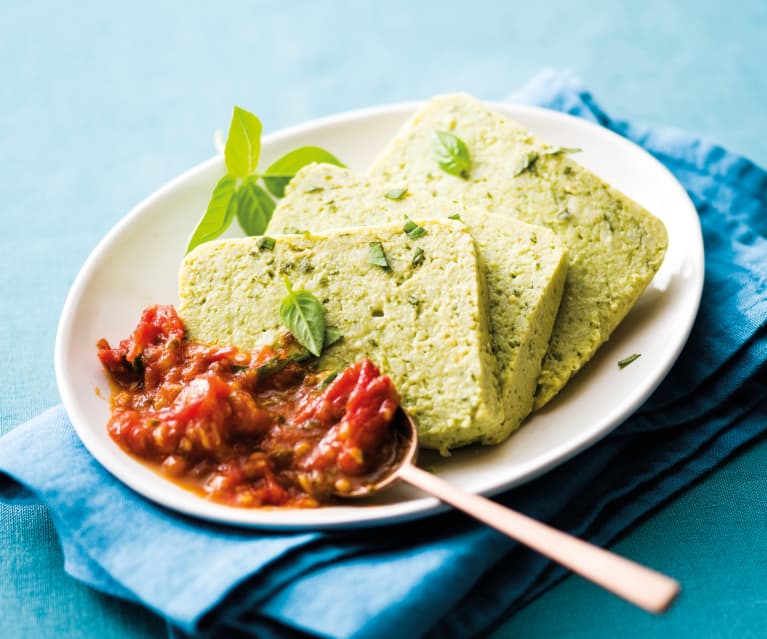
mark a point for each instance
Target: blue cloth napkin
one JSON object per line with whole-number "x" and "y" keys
{"x": 446, "y": 576}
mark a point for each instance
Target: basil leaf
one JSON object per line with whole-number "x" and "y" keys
{"x": 450, "y": 152}
{"x": 377, "y": 256}
{"x": 396, "y": 194}
{"x": 413, "y": 230}
{"x": 276, "y": 186}
{"x": 219, "y": 214}
{"x": 280, "y": 172}
{"x": 254, "y": 207}
{"x": 303, "y": 315}
{"x": 626, "y": 361}
{"x": 332, "y": 335}
{"x": 418, "y": 257}
{"x": 243, "y": 146}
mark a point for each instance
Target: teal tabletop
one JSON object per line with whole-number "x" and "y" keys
{"x": 102, "y": 103}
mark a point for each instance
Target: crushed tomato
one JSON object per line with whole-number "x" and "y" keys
{"x": 247, "y": 428}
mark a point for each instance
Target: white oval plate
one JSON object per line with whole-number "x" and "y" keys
{"x": 136, "y": 265}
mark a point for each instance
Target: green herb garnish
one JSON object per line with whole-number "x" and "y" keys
{"x": 554, "y": 150}
{"x": 377, "y": 256}
{"x": 243, "y": 146}
{"x": 413, "y": 301}
{"x": 396, "y": 194}
{"x": 332, "y": 335}
{"x": 276, "y": 364}
{"x": 418, "y": 256}
{"x": 626, "y": 361}
{"x": 450, "y": 153}
{"x": 302, "y": 314}
{"x": 238, "y": 193}
{"x": 525, "y": 162}
{"x": 326, "y": 382}
{"x": 270, "y": 367}
{"x": 219, "y": 214}
{"x": 314, "y": 189}
{"x": 279, "y": 173}
{"x": 266, "y": 243}
{"x": 138, "y": 366}
{"x": 254, "y": 207}
{"x": 455, "y": 216}
{"x": 413, "y": 230}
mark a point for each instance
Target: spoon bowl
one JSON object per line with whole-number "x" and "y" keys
{"x": 405, "y": 451}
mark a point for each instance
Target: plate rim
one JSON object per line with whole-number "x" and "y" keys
{"x": 329, "y": 517}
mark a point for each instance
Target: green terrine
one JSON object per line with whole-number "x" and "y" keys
{"x": 525, "y": 266}
{"x": 424, "y": 324}
{"x": 614, "y": 245}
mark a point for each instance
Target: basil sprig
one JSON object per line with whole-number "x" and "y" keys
{"x": 450, "y": 153}
{"x": 302, "y": 314}
{"x": 239, "y": 194}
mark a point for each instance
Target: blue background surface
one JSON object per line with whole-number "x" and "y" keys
{"x": 102, "y": 105}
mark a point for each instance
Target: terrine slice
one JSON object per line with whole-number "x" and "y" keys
{"x": 525, "y": 265}
{"x": 423, "y": 321}
{"x": 614, "y": 245}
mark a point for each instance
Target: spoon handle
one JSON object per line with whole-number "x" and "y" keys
{"x": 641, "y": 586}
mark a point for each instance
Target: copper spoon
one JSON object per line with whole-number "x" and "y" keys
{"x": 637, "y": 584}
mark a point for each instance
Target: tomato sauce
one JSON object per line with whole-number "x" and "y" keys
{"x": 247, "y": 428}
